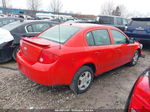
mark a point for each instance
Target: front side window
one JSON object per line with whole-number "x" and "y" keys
{"x": 59, "y": 33}
{"x": 119, "y": 38}
{"x": 101, "y": 37}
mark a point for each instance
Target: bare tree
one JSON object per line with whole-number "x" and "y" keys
{"x": 107, "y": 8}
{"x": 56, "y": 6}
{"x": 33, "y": 4}
{"x": 6, "y": 4}
{"x": 123, "y": 10}
{"x": 117, "y": 11}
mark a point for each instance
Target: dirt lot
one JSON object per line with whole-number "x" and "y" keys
{"x": 109, "y": 91}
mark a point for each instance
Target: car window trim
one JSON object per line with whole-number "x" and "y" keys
{"x": 92, "y": 37}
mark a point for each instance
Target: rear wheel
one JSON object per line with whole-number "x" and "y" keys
{"x": 135, "y": 58}
{"x": 82, "y": 80}
{"x": 15, "y": 52}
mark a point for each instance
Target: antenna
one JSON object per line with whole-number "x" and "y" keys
{"x": 59, "y": 31}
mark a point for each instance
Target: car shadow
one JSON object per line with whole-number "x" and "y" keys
{"x": 65, "y": 89}
{"x": 113, "y": 72}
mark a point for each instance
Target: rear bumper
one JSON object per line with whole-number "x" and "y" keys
{"x": 39, "y": 73}
{"x": 138, "y": 37}
{"x": 6, "y": 51}
{"x": 142, "y": 39}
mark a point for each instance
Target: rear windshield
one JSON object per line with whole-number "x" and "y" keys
{"x": 140, "y": 23}
{"x": 59, "y": 33}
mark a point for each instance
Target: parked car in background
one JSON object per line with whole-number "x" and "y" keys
{"x": 2, "y": 15}
{"x": 72, "y": 54}
{"x": 115, "y": 21}
{"x": 17, "y": 30}
{"x": 80, "y": 21}
{"x": 7, "y": 20}
{"x": 139, "y": 98}
{"x": 6, "y": 40}
{"x": 139, "y": 28}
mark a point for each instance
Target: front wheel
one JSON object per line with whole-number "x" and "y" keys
{"x": 135, "y": 58}
{"x": 82, "y": 80}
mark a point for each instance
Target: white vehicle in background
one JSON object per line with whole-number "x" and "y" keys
{"x": 5, "y": 36}
{"x": 2, "y": 15}
{"x": 54, "y": 16}
{"x": 44, "y": 15}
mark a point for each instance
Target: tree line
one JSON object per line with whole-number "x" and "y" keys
{"x": 55, "y": 5}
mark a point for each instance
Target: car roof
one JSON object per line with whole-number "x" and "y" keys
{"x": 16, "y": 24}
{"x": 11, "y": 18}
{"x": 88, "y": 25}
{"x": 141, "y": 19}
{"x": 111, "y": 16}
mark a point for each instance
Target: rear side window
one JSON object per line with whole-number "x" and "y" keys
{"x": 37, "y": 27}
{"x": 119, "y": 38}
{"x": 90, "y": 39}
{"x": 140, "y": 23}
{"x": 101, "y": 37}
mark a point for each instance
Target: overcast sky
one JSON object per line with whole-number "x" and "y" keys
{"x": 91, "y": 6}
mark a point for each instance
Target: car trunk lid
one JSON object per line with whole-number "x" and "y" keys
{"x": 31, "y": 48}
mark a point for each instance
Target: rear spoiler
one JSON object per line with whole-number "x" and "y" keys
{"x": 141, "y": 19}
{"x": 36, "y": 41}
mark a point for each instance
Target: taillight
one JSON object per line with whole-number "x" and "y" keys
{"x": 20, "y": 52}
{"x": 47, "y": 57}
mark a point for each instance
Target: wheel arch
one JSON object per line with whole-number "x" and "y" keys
{"x": 91, "y": 65}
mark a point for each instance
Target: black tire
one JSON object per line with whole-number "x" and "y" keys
{"x": 76, "y": 80}
{"x": 135, "y": 61}
{"x": 15, "y": 52}
{"x": 126, "y": 109}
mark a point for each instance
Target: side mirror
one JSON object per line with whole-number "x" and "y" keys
{"x": 131, "y": 40}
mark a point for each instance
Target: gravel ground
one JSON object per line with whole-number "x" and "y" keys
{"x": 109, "y": 91}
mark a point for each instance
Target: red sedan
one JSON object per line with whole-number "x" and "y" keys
{"x": 72, "y": 54}
{"x": 139, "y": 98}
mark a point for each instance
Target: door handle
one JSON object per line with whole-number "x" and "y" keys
{"x": 118, "y": 50}
{"x": 97, "y": 53}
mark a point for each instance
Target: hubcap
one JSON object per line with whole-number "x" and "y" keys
{"x": 84, "y": 80}
{"x": 135, "y": 58}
